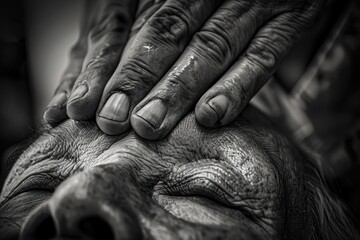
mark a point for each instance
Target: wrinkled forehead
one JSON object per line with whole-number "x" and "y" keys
{"x": 252, "y": 135}
{"x": 74, "y": 146}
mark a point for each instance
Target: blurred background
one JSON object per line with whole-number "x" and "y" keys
{"x": 35, "y": 37}
{"x": 315, "y": 92}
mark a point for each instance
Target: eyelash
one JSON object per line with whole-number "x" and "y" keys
{"x": 208, "y": 189}
{"x": 197, "y": 185}
{"x": 206, "y": 179}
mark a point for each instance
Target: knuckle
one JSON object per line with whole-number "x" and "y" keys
{"x": 170, "y": 23}
{"x": 142, "y": 19}
{"x": 136, "y": 75}
{"x": 298, "y": 21}
{"x": 238, "y": 8}
{"x": 178, "y": 85}
{"x": 265, "y": 53}
{"x": 213, "y": 44}
{"x": 234, "y": 10}
{"x": 96, "y": 64}
{"x": 114, "y": 20}
{"x": 106, "y": 57}
{"x": 95, "y": 71}
{"x": 109, "y": 50}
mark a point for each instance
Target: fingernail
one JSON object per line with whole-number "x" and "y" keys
{"x": 116, "y": 108}
{"x": 54, "y": 112}
{"x": 53, "y": 115}
{"x": 59, "y": 100}
{"x": 79, "y": 92}
{"x": 154, "y": 113}
{"x": 219, "y": 105}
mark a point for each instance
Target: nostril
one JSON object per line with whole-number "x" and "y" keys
{"x": 96, "y": 228}
{"x": 45, "y": 230}
{"x": 39, "y": 225}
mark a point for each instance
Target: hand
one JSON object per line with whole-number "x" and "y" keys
{"x": 104, "y": 31}
{"x": 221, "y": 52}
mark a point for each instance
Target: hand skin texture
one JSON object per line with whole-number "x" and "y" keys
{"x": 244, "y": 181}
{"x": 178, "y": 53}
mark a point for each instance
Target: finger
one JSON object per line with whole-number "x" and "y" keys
{"x": 145, "y": 10}
{"x": 106, "y": 42}
{"x": 148, "y": 8}
{"x": 56, "y": 109}
{"x": 227, "y": 98}
{"x": 206, "y": 58}
{"x": 155, "y": 48}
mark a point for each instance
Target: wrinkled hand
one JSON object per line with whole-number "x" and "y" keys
{"x": 217, "y": 54}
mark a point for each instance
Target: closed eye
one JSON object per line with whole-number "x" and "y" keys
{"x": 39, "y": 181}
{"x": 212, "y": 180}
{"x": 204, "y": 187}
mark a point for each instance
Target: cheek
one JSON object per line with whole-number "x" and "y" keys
{"x": 199, "y": 210}
{"x": 199, "y": 218}
{"x": 213, "y": 216}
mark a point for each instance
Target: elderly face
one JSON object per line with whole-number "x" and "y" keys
{"x": 244, "y": 181}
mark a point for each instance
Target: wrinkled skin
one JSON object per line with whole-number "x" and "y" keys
{"x": 244, "y": 181}
{"x": 178, "y": 53}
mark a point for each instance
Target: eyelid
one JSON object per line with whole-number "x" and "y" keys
{"x": 43, "y": 181}
{"x": 210, "y": 179}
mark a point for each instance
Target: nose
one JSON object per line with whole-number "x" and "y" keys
{"x": 86, "y": 206}
{"x": 80, "y": 219}
{"x": 83, "y": 219}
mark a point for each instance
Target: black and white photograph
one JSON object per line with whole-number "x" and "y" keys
{"x": 180, "y": 120}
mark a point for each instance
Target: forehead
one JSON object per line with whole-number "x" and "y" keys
{"x": 75, "y": 146}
